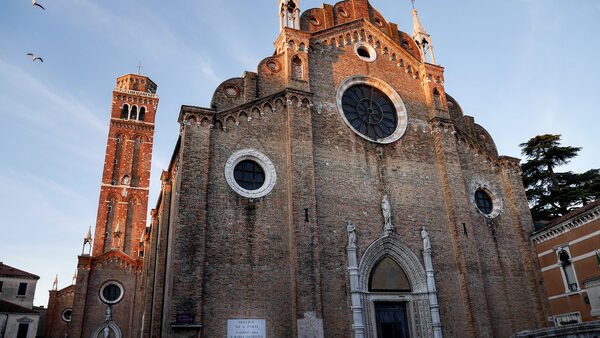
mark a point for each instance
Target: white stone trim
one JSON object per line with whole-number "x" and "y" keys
{"x": 262, "y": 160}
{"x": 372, "y": 52}
{"x": 566, "y": 294}
{"x": 575, "y": 222}
{"x": 112, "y": 326}
{"x": 492, "y": 191}
{"x": 401, "y": 112}
{"x": 419, "y": 312}
{"x": 64, "y": 318}
{"x": 575, "y": 241}
{"x": 106, "y": 301}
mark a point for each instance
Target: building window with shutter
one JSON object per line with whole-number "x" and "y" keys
{"x": 22, "y": 289}
{"x": 564, "y": 259}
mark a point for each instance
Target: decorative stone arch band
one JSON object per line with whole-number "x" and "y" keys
{"x": 417, "y": 298}
{"x": 401, "y": 112}
{"x": 260, "y": 159}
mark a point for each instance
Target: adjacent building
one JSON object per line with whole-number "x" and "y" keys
{"x": 18, "y": 318}
{"x": 568, "y": 250}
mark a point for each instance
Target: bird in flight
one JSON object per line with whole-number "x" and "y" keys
{"x": 34, "y": 3}
{"x": 34, "y": 57}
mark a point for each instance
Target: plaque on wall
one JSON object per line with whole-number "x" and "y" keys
{"x": 246, "y": 328}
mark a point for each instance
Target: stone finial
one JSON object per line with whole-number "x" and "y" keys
{"x": 74, "y": 279}
{"x": 55, "y": 283}
{"x": 87, "y": 240}
{"x": 88, "y": 236}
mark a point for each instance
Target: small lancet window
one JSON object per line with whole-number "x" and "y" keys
{"x": 142, "y": 114}
{"x": 388, "y": 276}
{"x": 134, "y": 112}
{"x": 125, "y": 111}
{"x": 297, "y": 68}
{"x": 437, "y": 100}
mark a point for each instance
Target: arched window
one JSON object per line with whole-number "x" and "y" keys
{"x": 134, "y": 113}
{"x": 297, "y": 68}
{"x": 388, "y": 276}
{"x": 568, "y": 270}
{"x": 135, "y": 160}
{"x": 391, "y": 317}
{"x": 118, "y": 152}
{"x": 142, "y": 114}
{"x": 125, "y": 111}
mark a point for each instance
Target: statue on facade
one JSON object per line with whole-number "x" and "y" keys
{"x": 351, "y": 234}
{"x": 388, "y": 228}
{"x": 425, "y": 236}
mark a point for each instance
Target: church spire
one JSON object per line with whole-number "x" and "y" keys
{"x": 422, "y": 39}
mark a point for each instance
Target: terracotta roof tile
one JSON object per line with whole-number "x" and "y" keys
{"x": 7, "y": 307}
{"x": 573, "y": 213}
{"x": 9, "y": 271}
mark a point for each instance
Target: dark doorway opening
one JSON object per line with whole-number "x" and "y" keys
{"x": 392, "y": 320}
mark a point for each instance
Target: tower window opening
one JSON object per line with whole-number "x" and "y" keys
{"x": 142, "y": 114}
{"x": 134, "y": 113}
{"x": 125, "y": 111}
{"x": 297, "y": 68}
{"x": 437, "y": 100}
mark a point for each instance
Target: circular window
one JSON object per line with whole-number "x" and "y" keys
{"x": 273, "y": 66}
{"x": 315, "y": 21}
{"x": 111, "y": 292}
{"x": 250, "y": 173}
{"x": 231, "y": 91}
{"x": 484, "y": 201}
{"x": 66, "y": 315}
{"x": 372, "y": 109}
{"x": 343, "y": 12}
{"x": 365, "y": 51}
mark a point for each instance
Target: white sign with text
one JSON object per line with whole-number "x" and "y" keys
{"x": 246, "y": 328}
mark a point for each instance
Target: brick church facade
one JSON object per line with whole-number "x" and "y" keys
{"x": 338, "y": 191}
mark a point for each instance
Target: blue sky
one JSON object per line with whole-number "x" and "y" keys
{"x": 520, "y": 67}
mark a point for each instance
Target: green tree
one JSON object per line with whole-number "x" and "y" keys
{"x": 550, "y": 193}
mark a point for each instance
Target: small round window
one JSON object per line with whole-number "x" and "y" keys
{"x": 484, "y": 202}
{"x": 250, "y": 173}
{"x": 365, "y": 52}
{"x": 111, "y": 292}
{"x": 66, "y": 315}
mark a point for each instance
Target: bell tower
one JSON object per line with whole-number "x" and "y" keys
{"x": 123, "y": 203}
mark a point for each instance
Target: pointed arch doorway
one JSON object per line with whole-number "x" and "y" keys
{"x": 390, "y": 295}
{"x": 391, "y": 317}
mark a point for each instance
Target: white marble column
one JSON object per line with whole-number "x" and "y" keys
{"x": 358, "y": 325}
{"x": 434, "y": 307}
